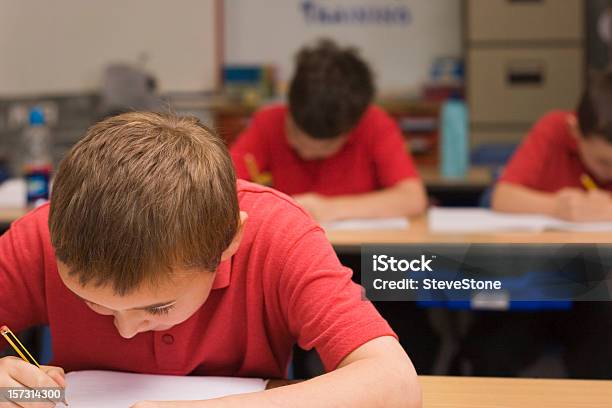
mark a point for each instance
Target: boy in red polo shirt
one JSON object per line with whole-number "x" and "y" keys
{"x": 334, "y": 152}
{"x": 151, "y": 259}
{"x": 548, "y": 174}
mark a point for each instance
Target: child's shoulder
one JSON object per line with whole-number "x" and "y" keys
{"x": 272, "y": 113}
{"x": 33, "y": 220}
{"x": 266, "y": 199}
{"x": 556, "y": 117}
{"x": 269, "y": 121}
{"x": 270, "y": 206}
{"x": 29, "y": 235}
{"x": 553, "y": 128}
{"x": 374, "y": 124}
{"x": 274, "y": 218}
{"x": 377, "y": 116}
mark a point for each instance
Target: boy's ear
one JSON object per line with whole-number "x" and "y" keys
{"x": 233, "y": 246}
{"x": 572, "y": 126}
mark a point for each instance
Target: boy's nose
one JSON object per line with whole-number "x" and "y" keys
{"x": 129, "y": 326}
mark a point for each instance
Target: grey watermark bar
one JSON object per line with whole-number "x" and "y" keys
{"x": 487, "y": 272}
{"x": 24, "y": 394}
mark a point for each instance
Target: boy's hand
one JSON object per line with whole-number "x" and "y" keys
{"x": 580, "y": 206}
{"x": 14, "y": 372}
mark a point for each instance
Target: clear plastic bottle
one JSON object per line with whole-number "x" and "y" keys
{"x": 37, "y": 158}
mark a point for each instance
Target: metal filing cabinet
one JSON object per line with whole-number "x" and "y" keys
{"x": 524, "y": 58}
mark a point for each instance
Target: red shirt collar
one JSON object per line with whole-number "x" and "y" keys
{"x": 223, "y": 274}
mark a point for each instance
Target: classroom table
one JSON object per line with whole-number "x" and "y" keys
{"x": 474, "y": 392}
{"x": 479, "y": 392}
{"x": 418, "y": 233}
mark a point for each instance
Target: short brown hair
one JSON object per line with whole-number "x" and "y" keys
{"x": 331, "y": 89}
{"x": 594, "y": 111}
{"x": 143, "y": 193}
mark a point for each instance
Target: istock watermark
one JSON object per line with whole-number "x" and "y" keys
{"x": 385, "y": 263}
{"x": 469, "y": 272}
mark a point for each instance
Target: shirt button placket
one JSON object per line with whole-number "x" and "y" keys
{"x": 167, "y": 352}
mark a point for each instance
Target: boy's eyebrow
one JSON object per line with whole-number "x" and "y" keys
{"x": 153, "y": 306}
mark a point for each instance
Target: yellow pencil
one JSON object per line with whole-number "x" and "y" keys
{"x": 588, "y": 182}
{"x": 259, "y": 178}
{"x": 20, "y": 348}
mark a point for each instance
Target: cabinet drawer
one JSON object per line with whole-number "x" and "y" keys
{"x": 510, "y": 86}
{"x": 525, "y": 20}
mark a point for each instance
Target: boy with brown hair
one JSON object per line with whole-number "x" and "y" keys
{"x": 547, "y": 173}
{"x": 330, "y": 148}
{"x": 151, "y": 258}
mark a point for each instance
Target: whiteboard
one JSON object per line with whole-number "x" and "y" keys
{"x": 62, "y": 46}
{"x": 399, "y": 51}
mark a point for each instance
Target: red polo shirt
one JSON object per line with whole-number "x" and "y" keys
{"x": 284, "y": 285}
{"x": 374, "y": 156}
{"x": 548, "y": 158}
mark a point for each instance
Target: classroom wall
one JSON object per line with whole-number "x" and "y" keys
{"x": 62, "y": 46}
{"x": 400, "y": 49}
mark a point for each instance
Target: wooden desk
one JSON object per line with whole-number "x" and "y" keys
{"x": 418, "y": 233}
{"x": 473, "y": 392}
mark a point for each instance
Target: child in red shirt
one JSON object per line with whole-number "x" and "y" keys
{"x": 335, "y": 153}
{"x": 547, "y": 173}
{"x": 545, "y": 176}
{"x": 151, "y": 259}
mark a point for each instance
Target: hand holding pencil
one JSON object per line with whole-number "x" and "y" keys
{"x": 26, "y": 372}
{"x": 588, "y": 182}
{"x": 590, "y": 204}
{"x": 265, "y": 179}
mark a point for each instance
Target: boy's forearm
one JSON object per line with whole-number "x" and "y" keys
{"x": 509, "y": 197}
{"x": 376, "y": 374}
{"x": 406, "y": 199}
{"x": 365, "y": 383}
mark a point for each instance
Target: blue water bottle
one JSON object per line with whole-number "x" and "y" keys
{"x": 454, "y": 146}
{"x": 37, "y": 159}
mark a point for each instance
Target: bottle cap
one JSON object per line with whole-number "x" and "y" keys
{"x": 37, "y": 116}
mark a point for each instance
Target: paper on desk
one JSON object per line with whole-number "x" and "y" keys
{"x": 398, "y": 223}
{"x": 483, "y": 220}
{"x": 13, "y": 193}
{"x": 110, "y": 389}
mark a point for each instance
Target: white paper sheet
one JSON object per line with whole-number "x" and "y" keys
{"x": 357, "y": 224}
{"x": 109, "y": 389}
{"x": 450, "y": 220}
